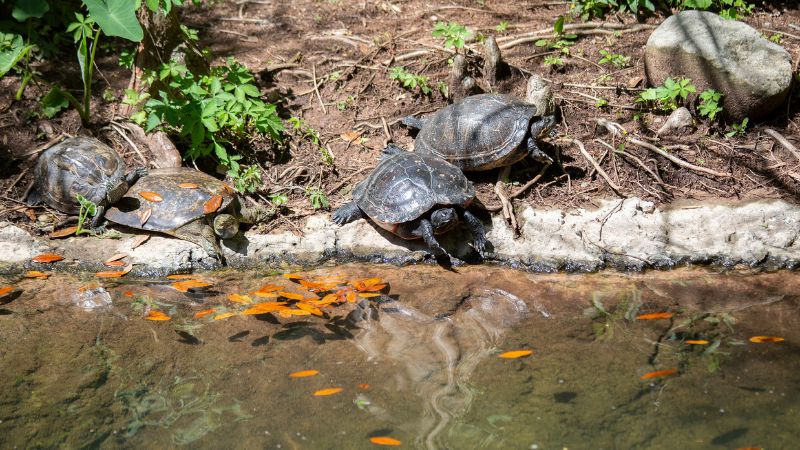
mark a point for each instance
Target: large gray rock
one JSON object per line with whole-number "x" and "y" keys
{"x": 726, "y": 55}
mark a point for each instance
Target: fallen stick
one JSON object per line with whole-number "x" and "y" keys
{"x": 316, "y": 88}
{"x": 784, "y": 142}
{"x": 597, "y": 167}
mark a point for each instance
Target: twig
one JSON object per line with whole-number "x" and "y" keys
{"x": 597, "y": 167}
{"x": 677, "y": 160}
{"x": 784, "y": 142}
{"x": 386, "y": 130}
{"x": 530, "y": 183}
{"x": 316, "y": 88}
{"x": 782, "y": 33}
{"x": 46, "y": 145}
{"x": 246, "y": 20}
{"x": 118, "y": 128}
{"x": 347, "y": 178}
{"x": 405, "y": 56}
{"x": 508, "y": 209}
{"x": 638, "y": 161}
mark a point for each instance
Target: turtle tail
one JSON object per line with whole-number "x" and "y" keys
{"x": 413, "y": 122}
{"x": 34, "y": 197}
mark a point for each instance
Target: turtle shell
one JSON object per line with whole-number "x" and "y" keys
{"x": 480, "y": 132}
{"x": 178, "y": 206}
{"x": 79, "y": 165}
{"x": 406, "y": 185}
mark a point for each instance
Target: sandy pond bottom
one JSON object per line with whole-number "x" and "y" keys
{"x": 81, "y": 367}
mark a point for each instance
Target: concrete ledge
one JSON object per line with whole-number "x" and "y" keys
{"x": 628, "y": 234}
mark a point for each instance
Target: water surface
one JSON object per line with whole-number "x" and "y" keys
{"x": 81, "y": 367}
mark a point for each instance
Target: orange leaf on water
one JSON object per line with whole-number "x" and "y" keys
{"x": 64, "y": 232}
{"x": 265, "y": 294}
{"x": 36, "y": 274}
{"x": 188, "y": 185}
{"x": 269, "y": 288}
{"x": 291, "y": 295}
{"x": 266, "y": 307}
{"x": 312, "y": 309}
{"x": 373, "y": 288}
{"x": 351, "y": 296}
{"x": 368, "y": 294}
{"x": 151, "y": 196}
{"x": 157, "y": 315}
{"x": 212, "y": 205}
{"x": 224, "y": 315}
{"x": 113, "y": 273}
{"x": 286, "y": 313}
{"x": 292, "y": 276}
{"x": 328, "y": 391}
{"x": 181, "y": 276}
{"x": 697, "y": 342}
{"x": 516, "y": 354}
{"x": 236, "y": 298}
{"x": 385, "y": 440}
{"x": 115, "y": 263}
{"x": 187, "y": 285}
{"x": 205, "y": 312}
{"x": 304, "y": 373}
{"x": 653, "y": 316}
{"x": 658, "y": 374}
{"x": 47, "y": 258}
{"x": 5, "y": 290}
{"x": 766, "y": 339}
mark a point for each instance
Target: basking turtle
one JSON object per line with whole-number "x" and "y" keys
{"x": 185, "y": 203}
{"x": 482, "y": 132}
{"x": 80, "y": 165}
{"x": 414, "y": 196}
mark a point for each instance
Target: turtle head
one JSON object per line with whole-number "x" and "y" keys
{"x": 115, "y": 189}
{"x": 443, "y": 219}
{"x": 543, "y": 127}
{"x": 226, "y": 226}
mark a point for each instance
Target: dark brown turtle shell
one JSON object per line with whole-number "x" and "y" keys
{"x": 480, "y": 132}
{"x": 179, "y": 205}
{"x": 406, "y": 185}
{"x": 79, "y": 165}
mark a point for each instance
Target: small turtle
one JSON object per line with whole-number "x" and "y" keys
{"x": 483, "y": 132}
{"x": 184, "y": 203}
{"x": 415, "y": 196}
{"x": 80, "y": 165}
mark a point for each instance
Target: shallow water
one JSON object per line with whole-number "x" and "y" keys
{"x": 80, "y": 367}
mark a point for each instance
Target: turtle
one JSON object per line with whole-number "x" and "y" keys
{"x": 483, "y": 132}
{"x": 415, "y": 195}
{"x": 185, "y": 203}
{"x": 81, "y": 166}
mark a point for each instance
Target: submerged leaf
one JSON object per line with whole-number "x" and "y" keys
{"x": 224, "y": 315}
{"x": 187, "y": 285}
{"x": 304, "y": 373}
{"x": 181, "y": 276}
{"x": 514, "y": 354}
{"x": 653, "y": 316}
{"x": 766, "y": 339}
{"x": 5, "y": 290}
{"x": 385, "y": 440}
{"x": 212, "y": 205}
{"x": 328, "y": 391}
{"x": 36, "y": 274}
{"x": 113, "y": 273}
{"x": 293, "y": 276}
{"x": 658, "y": 374}
{"x": 47, "y": 258}
{"x": 697, "y": 342}
{"x": 205, "y": 312}
{"x": 157, "y": 315}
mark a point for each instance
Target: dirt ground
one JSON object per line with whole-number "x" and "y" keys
{"x": 345, "y": 48}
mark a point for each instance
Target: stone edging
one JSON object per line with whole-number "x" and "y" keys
{"x": 628, "y": 234}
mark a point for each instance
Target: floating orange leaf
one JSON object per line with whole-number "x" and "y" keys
{"x": 385, "y": 440}
{"x": 224, "y": 315}
{"x": 187, "y": 285}
{"x": 697, "y": 342}
{"x": 265, "y": 294}
{"x": 293, "y": 276}
{"x": 328, "y": 391}
{"x": 205, "y": 312}
{"x": 269, "y": 288}
{"x": 36, "y": 274}
{"x": 64, "y": 232}
{"x": 113, "y": 273}
{"x": 266, "y": 307}
{"x": 766, "y": 339}
{"x": 351, "y": 296}
{"x": 291, "y": 295}
{"x": 304, "y": 373}
{"x": 236, "y": 298}
{"x": 115, "y": 263}
{"x": 212, "y": 205}
{"x": 5, "y": 290}
{"x": 376, "y": 287}
{"x": 368, "y": 294}
{"x": 188, "y": 185}
{"x": 312, "y": 309}
{"x": 516, "y": 354}
{"x": 157, "y": 315}
{"x": 658, "y": 374}
{"x": 181, "y": 276}
{"x": 47, "y": 258}
{"x": 653, "y": 316}
{"x": 151, "y": 196}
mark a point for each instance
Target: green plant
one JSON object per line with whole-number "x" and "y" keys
{"x": 278, "y": 199}
{"x": 616, "y": 60}
{"x": 563, "y": 41}
{"x": 87, "y": 209}
{"x": 601, "y": 102}
{"x": 12, "y": 50}
{"x": 453, "y": 33}
{"x": 709, "y": 104}
{"x": 249, "y": 180}
{"x": 738, "y": 128}
{"x": 668, "y": 96}
{"x": 410, "y": 80}
{"x": 776, "y": 38}
{"x": 317, "y": 198}
{"x": 553, "y": 61}
{"x": 728, "y": 9}
{"x": 501, "y": 27}
{"x": 306, "y": 132}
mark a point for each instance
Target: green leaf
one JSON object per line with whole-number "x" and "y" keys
{"x": 116, "y": 18}
{"x": 11, "y": 55}
{"x": 558, "y": 27}
{"x": 25, "y": 9}
{"x": 82, "y": 55}
{"x": 54, "y": 102}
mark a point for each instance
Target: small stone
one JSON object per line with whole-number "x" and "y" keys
{"x": 680, "y": 120}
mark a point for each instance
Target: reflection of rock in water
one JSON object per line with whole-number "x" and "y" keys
{"x": 91, "y": 298}
{"x": 439, "y": 355}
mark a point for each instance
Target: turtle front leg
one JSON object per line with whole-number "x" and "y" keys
{"x": 97, "y": 221}
{"x": 203, "y": 235}
{"x": 536, "y": 153}
{"x": 135, "y": 175}
{"x": 477, "y": 229}
{"x": 425, "y": 231}
{"x": 347, "y": 213}
{"x": 413, "y": 122}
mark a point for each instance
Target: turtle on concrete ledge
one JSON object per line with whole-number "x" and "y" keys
{"x": 415, "y": 196}
{"x": 80, "y": 166}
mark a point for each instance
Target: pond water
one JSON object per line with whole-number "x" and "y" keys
{"x": 83, "y": 365}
